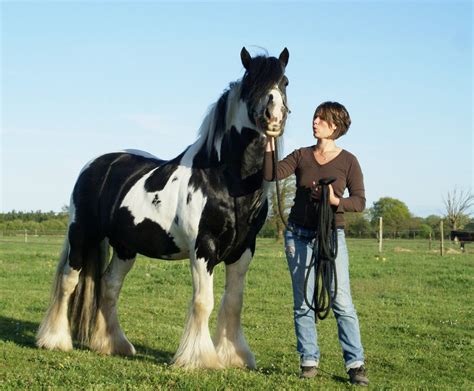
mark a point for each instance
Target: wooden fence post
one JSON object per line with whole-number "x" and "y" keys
{"x": 441, "y": 243}
{"x": 380, "y": 234}
{"x": 429, "y": 246}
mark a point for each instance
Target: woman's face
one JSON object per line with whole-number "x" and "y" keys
{"x": 322, "y": 129}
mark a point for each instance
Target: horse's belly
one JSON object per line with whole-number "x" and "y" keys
{"x": 147, "y": 238}
{"x": 170, "y": 257}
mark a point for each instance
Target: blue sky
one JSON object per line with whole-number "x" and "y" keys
{"x": 79, "y": 79}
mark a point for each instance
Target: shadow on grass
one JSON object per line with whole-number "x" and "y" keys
{"x": 18, "y": 331}
{"x": 23, "y": 333}
{"x": 146, "y": 353}
{"x": 334, "y": 377}
{"x": 321, "y": 373}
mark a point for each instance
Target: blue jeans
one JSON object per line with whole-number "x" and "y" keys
{"x": 299, "y": 248}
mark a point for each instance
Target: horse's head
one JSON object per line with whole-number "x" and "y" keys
{"x": 264, "y": 91}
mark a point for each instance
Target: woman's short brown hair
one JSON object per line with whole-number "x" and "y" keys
{"x": 334, "y": 114}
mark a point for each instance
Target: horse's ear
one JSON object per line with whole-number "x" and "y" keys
{"x": 284, "y": 56}
{"x": 245, "y": 57}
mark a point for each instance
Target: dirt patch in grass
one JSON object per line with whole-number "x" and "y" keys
{"x": 452, "y": 251}
{"x": 402, "y": 250}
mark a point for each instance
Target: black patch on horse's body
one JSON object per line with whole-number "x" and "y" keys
{"x": 160, "y": 177}
{"x": 146, "y": 238}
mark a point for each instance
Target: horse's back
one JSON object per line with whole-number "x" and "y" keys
{"x": 102, "y": 183}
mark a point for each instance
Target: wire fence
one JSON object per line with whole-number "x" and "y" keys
{"x": 390, "y": 242}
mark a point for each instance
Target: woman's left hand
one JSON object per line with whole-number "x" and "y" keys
{"x": 316, "y": 194}
{"x": 333, "y": 200}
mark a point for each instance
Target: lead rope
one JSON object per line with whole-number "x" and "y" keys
{"x": 324, "y": 249}
{"x": 277, "y": 184}
{"x": 323, "y": 259}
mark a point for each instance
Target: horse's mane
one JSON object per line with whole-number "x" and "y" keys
{"x": 212, "y": 129}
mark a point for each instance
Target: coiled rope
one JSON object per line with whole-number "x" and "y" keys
{"x": 323, "y": 259}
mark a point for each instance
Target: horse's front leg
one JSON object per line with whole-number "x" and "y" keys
{"x": 196, "y": 349}
{"x": 232, "y": 347}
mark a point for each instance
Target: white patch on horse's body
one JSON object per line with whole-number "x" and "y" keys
{"x": 172, "y": 204}
{"x": 140, "y": 203}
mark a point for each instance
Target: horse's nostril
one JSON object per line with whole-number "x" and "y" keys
{"x": 267, "y": 114}
{"x": 270, "y": 98}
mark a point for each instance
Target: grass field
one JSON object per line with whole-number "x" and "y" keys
{"x": 415, "y": 310}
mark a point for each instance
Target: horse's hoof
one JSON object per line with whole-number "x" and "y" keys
{"x": 204, "y": 362}
{"x": 60, "y": 341}
{"x": 124, "y": 348}
{"x": 111, "y": 346}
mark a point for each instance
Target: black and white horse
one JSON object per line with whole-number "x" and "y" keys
{"x": 207, "y": 204}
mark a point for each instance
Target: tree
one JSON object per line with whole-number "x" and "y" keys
{"x": 395, "y": 215}
{"x": 433, "y": 222}
{"x": 418, "y": 227}
{"x": 457, "y": 204}
{"x": 470, "y": 225}
{"x": 358, "y": 224}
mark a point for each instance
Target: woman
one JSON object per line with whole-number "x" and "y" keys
{"x": 330, "y": 121}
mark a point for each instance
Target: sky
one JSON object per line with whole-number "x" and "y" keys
{"x": 79, "y": 79}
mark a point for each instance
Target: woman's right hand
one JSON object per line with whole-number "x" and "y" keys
{"x": 270, "y": 147}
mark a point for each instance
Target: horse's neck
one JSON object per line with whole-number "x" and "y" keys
{"x": 229, "y": 139}
{"x": 243, "y": 144}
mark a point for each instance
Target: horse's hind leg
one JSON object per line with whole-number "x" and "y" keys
{"x": 54, "y": 331}
{"x": 231, "y": 345}
{"x": 196, "y": 349}
{"x": 107, "y": 336}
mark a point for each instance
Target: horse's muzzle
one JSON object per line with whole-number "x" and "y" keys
{"x": 274, "y": 133}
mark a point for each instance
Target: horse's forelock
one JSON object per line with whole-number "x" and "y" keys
{"x": 262, "y": 75}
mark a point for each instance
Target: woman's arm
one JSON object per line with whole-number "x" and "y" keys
{"x": 285, "y": 167}
{"x": 355, "y": 184}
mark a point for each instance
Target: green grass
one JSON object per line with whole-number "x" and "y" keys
{"x": 415, "y": 310}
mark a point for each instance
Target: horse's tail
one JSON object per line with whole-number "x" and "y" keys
{"x": 85, "y": 299}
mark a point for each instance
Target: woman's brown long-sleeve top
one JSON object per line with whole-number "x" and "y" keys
{"x": 303, "y": 164}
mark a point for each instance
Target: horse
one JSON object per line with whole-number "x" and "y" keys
{"x": 207, "y": 204}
